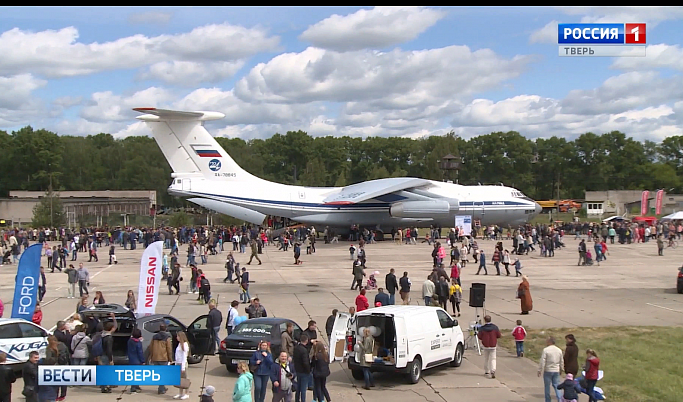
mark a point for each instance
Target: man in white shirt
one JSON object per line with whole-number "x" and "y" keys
{"x": 232, "y": 314}
{"x": 428, "y": 291}
{"x": 552, "y": 361}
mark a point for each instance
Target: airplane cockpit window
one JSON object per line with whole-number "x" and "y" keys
{"x": 518, "y": 194}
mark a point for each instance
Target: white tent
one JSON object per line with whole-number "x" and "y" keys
{"x": 673, "y": 217}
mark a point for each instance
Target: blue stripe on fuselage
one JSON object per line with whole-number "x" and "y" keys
{"x": 356, "y": 206}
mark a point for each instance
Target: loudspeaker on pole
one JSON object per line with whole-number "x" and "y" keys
{"x": 477, "y": 294}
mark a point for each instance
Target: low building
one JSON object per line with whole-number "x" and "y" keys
{"x": 17, "y": 210}
{"x": 620, "y": 202}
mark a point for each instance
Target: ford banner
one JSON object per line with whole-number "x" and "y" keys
{"x": 26, "y": 283}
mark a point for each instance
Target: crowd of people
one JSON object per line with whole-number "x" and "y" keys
{"x": 439, "y": 289}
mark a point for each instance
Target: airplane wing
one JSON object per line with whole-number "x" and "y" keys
{"x": 367, "y": 190}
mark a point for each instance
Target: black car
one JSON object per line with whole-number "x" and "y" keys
{"x": 241, "y": 344}
{"x": 679, "y": 284}
{"x": 200, "y": 337}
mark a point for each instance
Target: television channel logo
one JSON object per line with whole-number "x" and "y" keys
{"x": 602, "y": 34}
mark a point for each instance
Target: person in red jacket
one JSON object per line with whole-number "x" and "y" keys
{"x": 488, "y": 335}
{"x": 362, "y": 301}
{"x": 591, "y": 368}
{"x": 37, "y": 315}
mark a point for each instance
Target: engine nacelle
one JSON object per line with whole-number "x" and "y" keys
{"x": 421, "y": 209}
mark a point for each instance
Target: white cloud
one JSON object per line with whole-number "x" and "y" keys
{"x": 377, "y": 28}
{"x": 191, "y": 74}
{"x": 59, "y": 54}
{"x": 16, "y": 91}
{"x": 624, "y": 92}
{"x": 415, "y": 78}
{"x": 637, "y": 104}
{"x": 648, "y": 14}
{"x": 108, "y": 107}
{"x": 151, "y": 17}
{"x": 656, "y": 56}
{"x": 67, "y": 101}
{"x": 547, "y": 34}
{"x": 135, "y": 129}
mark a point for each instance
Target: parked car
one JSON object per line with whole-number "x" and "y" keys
{"x": 679, "y": 283}
{"x": 244, "y": 340}
{"x": 408, "y": 339}
{"x": 200, "y": 337}
{"x": 18, "y": 338}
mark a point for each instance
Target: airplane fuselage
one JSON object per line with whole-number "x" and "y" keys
{"x": 489, "y": 204}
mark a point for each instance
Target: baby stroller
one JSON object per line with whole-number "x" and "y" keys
{"x": 372, "y": 282}
{"x": 589, "y": 258}
{"x": 6, "y": 257}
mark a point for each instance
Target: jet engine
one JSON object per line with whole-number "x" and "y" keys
{"x": 422, "y": 209}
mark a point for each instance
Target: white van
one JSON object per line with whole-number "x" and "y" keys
{"x": 410, "y": 339}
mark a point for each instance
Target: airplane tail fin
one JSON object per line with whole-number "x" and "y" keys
{"x": 188, "y": 147}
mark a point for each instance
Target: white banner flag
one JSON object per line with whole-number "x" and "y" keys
{"x": 464, "y": 223}
{"x": 150, "y": 278}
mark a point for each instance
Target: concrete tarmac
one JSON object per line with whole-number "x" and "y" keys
{"x": 634, "y": 286}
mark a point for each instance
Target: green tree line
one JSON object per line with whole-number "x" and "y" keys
{"x": 32, "y": 158}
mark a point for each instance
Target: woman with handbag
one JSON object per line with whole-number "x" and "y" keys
{"x": 181, "y": 353}
{"x": 259, "y": 365}
{"x": 242, "y": 390}
{"x": 524, "y": 295}
{"x": 367, "y": 345}
{"x": 321, "y": 370}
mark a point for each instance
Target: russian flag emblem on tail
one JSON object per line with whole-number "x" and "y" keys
{"x": 205, "y": 152}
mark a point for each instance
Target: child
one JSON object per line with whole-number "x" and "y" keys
{"x": 207, "y": 395}
{"x": 518, "y": 267}
{"x": 372, "y": 282}
{"x": 112, "y": 255}
{"x": 297, "y": 253}
{"x": 571, "y": 389}
{"x": 519, "y": 333}
{"x": 352, "y": 250}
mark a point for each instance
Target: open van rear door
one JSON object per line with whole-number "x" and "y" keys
{"x": 401, "y": 342}
{"x": 338, "y": 337}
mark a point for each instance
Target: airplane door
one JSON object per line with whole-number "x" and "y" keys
{"x": 478, "y": 209}
{"x": 186, "y": 184}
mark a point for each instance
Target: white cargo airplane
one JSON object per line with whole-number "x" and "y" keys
{"x": 203, "y": 171}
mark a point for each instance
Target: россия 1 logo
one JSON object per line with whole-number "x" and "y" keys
{"x": 609, "y": 40}
{"x": 214, "y": 165}
{"x": 601, "y": 34}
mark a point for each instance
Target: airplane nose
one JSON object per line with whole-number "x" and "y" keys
{"x": 538, "y": 208}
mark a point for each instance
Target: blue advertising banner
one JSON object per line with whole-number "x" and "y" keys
{"x": 26, "y": 284}
{"x": 108, "y": 375}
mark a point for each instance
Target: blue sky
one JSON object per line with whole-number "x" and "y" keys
{"x": 336, "y": 70}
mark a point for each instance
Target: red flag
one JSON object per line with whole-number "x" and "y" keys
{"x": 644, "y": 203}
{"x": 658, "y": 202}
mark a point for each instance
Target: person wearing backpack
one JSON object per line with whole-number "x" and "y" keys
{"x": 79, "y": 345}
{"x": 63, "y": 359}
{"x": 205, "y": 287}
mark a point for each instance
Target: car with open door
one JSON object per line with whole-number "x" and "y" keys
{"x": 199, "y": 336}
{"x": 241, "y": 344}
